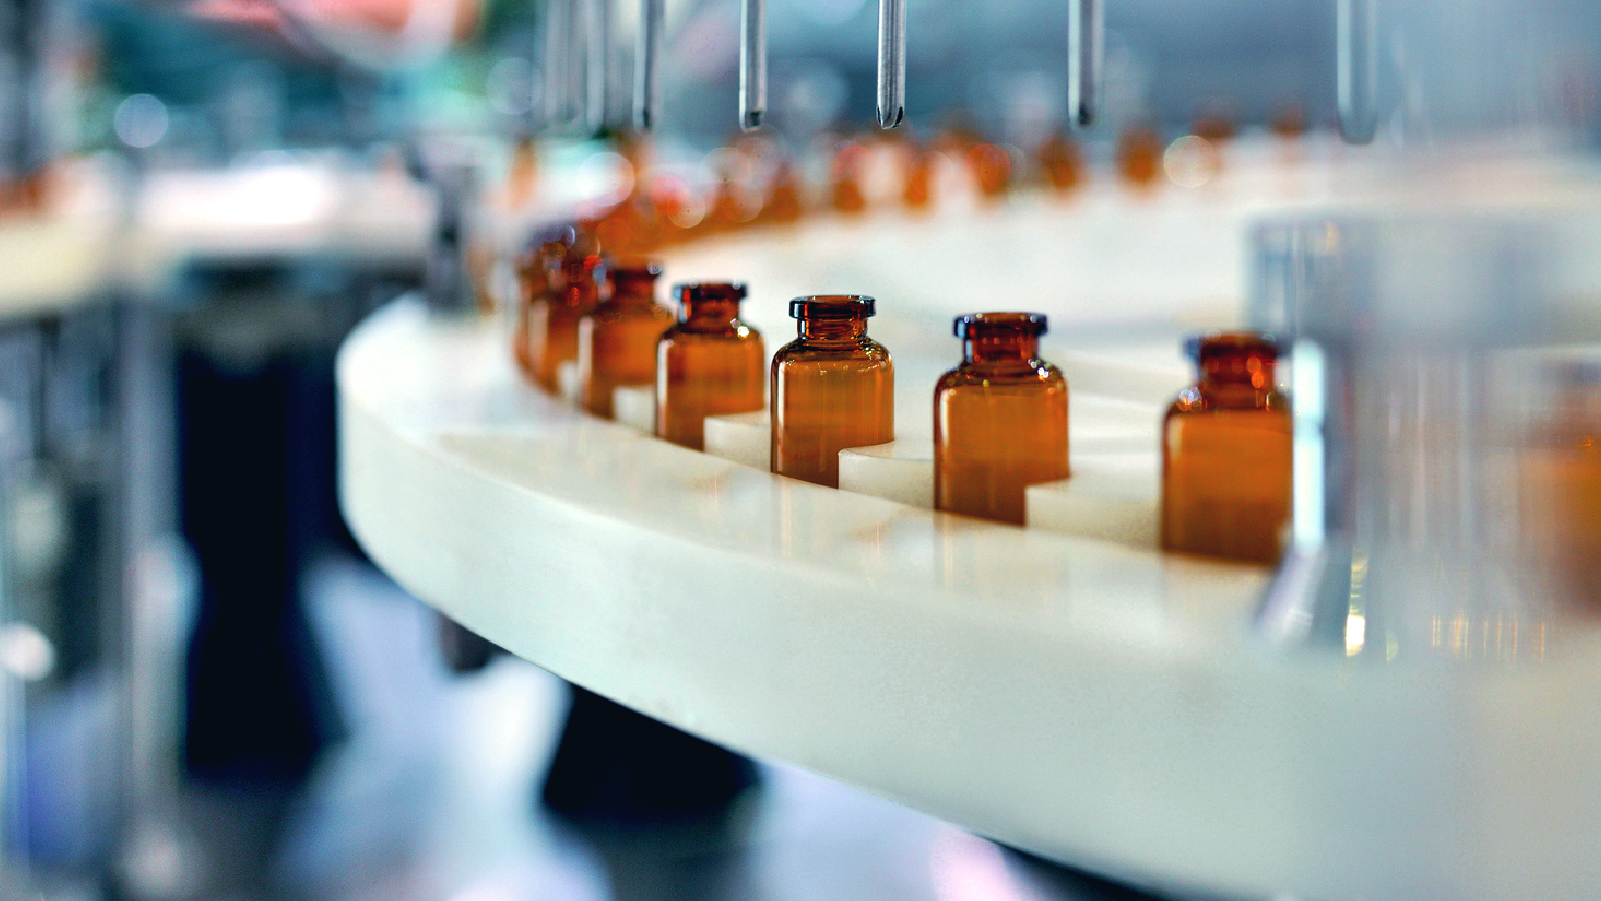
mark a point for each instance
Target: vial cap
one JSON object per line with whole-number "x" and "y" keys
{"x": 1026, "y": 323}
{"x": 696, "y": 291}
{"x": 832, "y": 306}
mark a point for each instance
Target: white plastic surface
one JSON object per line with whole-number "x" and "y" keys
{"x": 635, "y": 407}
{"x": 1087, "y": 700}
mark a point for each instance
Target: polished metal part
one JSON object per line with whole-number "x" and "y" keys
{"x": 651, "y": 15}
{"x": 598, "y": 61}
{"x": 1356, "y": 68}
{"x": 1086, "y": 42}
{"x": 891, "y": 62}
{"x": 752, "y": 63}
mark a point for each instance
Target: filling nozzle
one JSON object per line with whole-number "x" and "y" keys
{"x": 651, "y": 15}
{"x": 598, "y": 57}
{"x": 891, "y": 62}
{"x": 752, "y": 63}
{"x": 1085, "y": 43}
{"x": 1356, "y": 68}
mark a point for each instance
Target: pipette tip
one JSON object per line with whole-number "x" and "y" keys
{"x": 752, "y": 120}
{"x": 891, "y": 118}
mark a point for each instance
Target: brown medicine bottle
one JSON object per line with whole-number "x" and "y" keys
{"x": 709, "y": 364}
{"x": 846, "y": 186}
{"x": 538, "y": 276}
{"x": 1061, "y": 163}
{"x": 1226, "y": 454}
{"x": 1000, "y": 418}
{"x": 1139, "y": 156}
{"x": 833, "y": 387}
{"x": 552, "y": 319}
{"x": 617, "y": 341}
{"x": 917, "y": 177}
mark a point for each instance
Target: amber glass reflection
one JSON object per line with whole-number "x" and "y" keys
{"x": 1000, "y": 418}
{"x": 553, "y": 318}
{"x": 1139, "y": 155}
{"x": 617, "y": 342}
{"x": 1226, "y": 454}
{"x": 709, "y": 364}
{"x": 833, "y": 387}
{"x": 1061, "y": 164}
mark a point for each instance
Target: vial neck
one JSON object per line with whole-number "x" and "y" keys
{"x": 832, "y": 329}
{"x": 633, "y": 291}
{"x": 709, "y": 312}
{"x": 1009, "y": 346}
{"x": 1241, "y": 374}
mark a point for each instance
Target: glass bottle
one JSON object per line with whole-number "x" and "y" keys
{"x": 783, "y": 204}
{"x": 538, "y": 277}
{"x": 1289, "y": 121}
{"x": 917, "y": 186}
{"x": 1139, "y": 155}
{"x": 832, "y": 387}
{"x": 992, "y": 170}
{"x": 728, "y": 210}
{"x": 1226, "y": 453}
{"x": 617, "y": 341}
{"x": 1000, "y": 418}
{"x": 709, "y": 364}
{"x": 1560, "y": 488}
{"x": 846, "y": 187}
{"x": 553, "y": 318}
{"x": 1061, "y": 163}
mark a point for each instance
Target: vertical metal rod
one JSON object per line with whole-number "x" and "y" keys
{"x": 577, "y": 66}
{"x": 651, "y": 15}
{"x": 752, "y": 63}
{"x": 599, "y": 63}
{"x": 891, "y": 62}
{"x": 558, "y": 46}
{"x": 1086, "y": 41}
{"x": 1356, "y": 68}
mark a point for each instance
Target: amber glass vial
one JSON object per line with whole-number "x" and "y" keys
{"x": 1226, "y": 454}
{"x": 1061, "y": 163}
{"x": 709, "y": 364}
{"x": 1139, "y": 155}
{"x": 617, "y": 342}
{"x": 845, "y": 192}
{"x": 553, "y": 319}
{"x": 1000, "y": 418}
{"x": 538, "y": 277}
{"x": 917, "y": 177}
{"x": 833, "y": 387}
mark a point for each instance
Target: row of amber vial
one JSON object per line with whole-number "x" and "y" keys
{"x": 1000, "y": 416}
